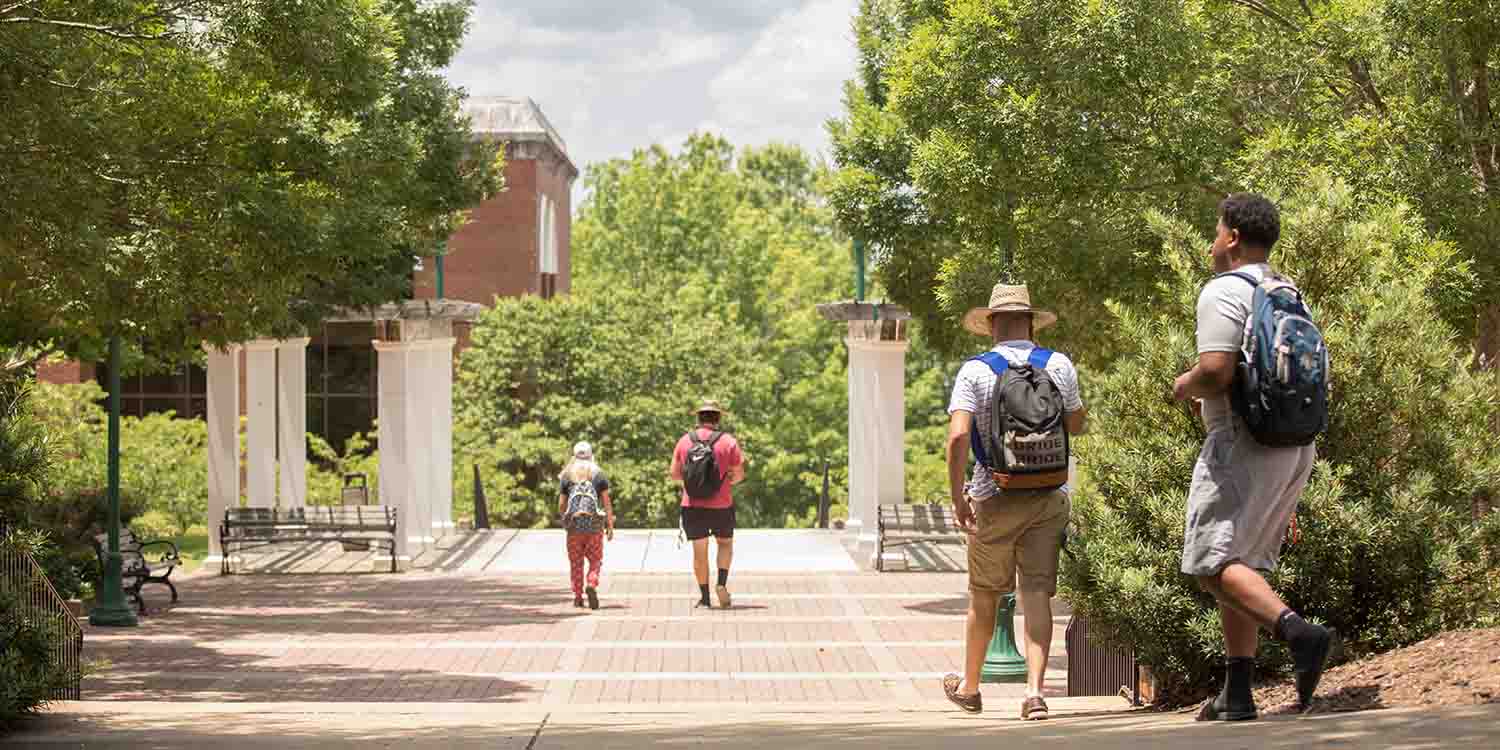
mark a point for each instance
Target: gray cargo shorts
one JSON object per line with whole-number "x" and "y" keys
{"x": 1243, "y": 496}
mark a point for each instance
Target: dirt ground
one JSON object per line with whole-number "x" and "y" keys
{"x": 1458, "y": 668}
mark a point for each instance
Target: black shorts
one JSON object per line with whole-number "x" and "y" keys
{"x": 700, "y": 523}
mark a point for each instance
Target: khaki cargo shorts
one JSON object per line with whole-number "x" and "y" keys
{"x": 1017, "y": 534}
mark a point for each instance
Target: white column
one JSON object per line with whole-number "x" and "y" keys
{"x": 392, "y": 415}
{"x": 291, "y": 411}
{"x": 441, "y": 353}
{"x": 223, "y": 367}
{"x": 877, "y": 431}
{"x": 419, "y": 440}
{"x": 260, "y": 427}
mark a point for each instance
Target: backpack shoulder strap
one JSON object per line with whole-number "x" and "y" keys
{"x": 712, "y": 438}
{"x": 1039, "y": 357}
{"x": 692, "y": 435}
{"x": 996, "y": 362}
{"x": 1245, "y": 277}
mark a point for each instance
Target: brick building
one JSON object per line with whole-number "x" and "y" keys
{"x": 514, "y": 244}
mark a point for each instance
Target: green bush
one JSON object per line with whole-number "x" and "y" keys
{"x": 1388, "y": 552}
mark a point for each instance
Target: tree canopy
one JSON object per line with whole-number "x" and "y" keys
{"x": 185, "y": 170}
{"x": 1026, "y": 139}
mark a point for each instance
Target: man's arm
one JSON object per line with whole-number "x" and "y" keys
{"x": 1212, "y": 376}
{"x": 609, "y": 514}
{"x": 675, "y": 473}
{"x": 737, "y": 471}
{"x": 959, "y": 424}
{"x": 1076, "y": 421}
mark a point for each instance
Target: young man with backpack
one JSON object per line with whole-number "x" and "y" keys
{"x": 708, "y": 462}
{"x": 1016, "y": 405}
{"x": 1262, "y": 380}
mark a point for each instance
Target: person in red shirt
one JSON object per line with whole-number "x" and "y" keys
{"x": 708, "y": 463}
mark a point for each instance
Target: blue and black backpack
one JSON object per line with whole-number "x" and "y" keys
{"x": 1026, "y": 445}
{"x": 1281, "y": 386}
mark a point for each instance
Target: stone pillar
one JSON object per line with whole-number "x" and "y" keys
{"x": 223, "y": 367}
{"x": 441, "y": 354}
{"x": 877, "y": 425}
{"x": 393, "y": 409}
{"x": 260, "y": 427}
{"x": 291, "y": 411}
{"x": 419, "y": 441}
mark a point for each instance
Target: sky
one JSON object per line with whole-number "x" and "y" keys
{"x": 616, "y": 75}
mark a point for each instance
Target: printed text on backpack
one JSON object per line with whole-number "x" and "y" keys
{"x": 1281, "y": 385}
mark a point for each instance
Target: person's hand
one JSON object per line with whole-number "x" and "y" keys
{"x": 609, "y": 534}
{"x": 964, "y": 511}
{"x": 1180, "y": 386}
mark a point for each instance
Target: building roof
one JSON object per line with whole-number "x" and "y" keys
{"x": 514, "y": 119}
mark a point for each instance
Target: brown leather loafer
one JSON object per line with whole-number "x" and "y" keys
{"x": 1033, "y": 709}
{"x": 969, "y": 703}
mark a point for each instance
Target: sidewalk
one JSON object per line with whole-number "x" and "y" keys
{"x": 1077, "y": 723}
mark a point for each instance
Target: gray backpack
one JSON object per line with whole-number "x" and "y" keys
{"x": 1026, "y": 445}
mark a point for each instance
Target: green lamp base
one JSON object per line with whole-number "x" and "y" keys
{"x": 1002, "y": 663}
{"x": 111, "y": 608}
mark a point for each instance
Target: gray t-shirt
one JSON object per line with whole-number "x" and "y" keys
{"x": 1223, "y": 308}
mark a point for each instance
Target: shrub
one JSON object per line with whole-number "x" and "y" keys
{"x": 1388, "y": 553}
{"x": 28, "y": 678}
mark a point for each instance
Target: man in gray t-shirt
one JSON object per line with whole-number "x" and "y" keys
{"x": 1243, "y": 493}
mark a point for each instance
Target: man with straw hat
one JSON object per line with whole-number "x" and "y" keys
{"x": 708, "y": 462}
{"x": 1016, "y": 405}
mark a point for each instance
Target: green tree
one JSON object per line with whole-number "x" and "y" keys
{"x": 697, "y": 273}
{"x": 1388, "y": 553}
{"x": 986, "y": 138}
{"x": 215, "y": 170}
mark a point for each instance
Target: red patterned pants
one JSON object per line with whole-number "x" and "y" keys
{"x": 581, "y": 547}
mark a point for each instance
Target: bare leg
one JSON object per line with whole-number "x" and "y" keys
{"x": 1248, "y": 591}
{"x": 1241, "y": 635}
{"x": 700, "y": 560}
{"x": 725, "y": 554}
{"x": 1036, "y": 606}
{"x": 981, "y": 628}
{"x": 1211, "y": 585}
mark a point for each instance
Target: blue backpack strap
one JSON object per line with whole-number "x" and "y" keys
{"x": 998, "y": 364}
{"x": 1039, "y": 357}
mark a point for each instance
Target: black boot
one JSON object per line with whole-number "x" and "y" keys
{"x": 1234, "y": 702}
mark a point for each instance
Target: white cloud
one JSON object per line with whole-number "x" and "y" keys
{"x": 615, "y": 75}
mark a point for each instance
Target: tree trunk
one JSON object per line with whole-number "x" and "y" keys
{"x": 1487, "y": 357}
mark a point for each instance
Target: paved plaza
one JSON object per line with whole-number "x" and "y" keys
{"x": 479, "y": 646}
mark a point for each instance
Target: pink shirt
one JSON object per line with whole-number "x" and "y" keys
{"x": 726, "y": 454}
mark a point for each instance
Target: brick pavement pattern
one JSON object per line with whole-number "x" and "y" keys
{"x": 435, "y": 636}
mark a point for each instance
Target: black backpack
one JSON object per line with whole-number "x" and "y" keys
{"x": 1026, "y": 446}
{"x": 700, "y": 472}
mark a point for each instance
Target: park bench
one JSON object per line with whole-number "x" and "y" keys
{"x": 136, "y": 568}
{"x": 907, "y": 524}
{"x": 247, "y": 528}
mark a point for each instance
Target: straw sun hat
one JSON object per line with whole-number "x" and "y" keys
{"x": 1006, "y": 298}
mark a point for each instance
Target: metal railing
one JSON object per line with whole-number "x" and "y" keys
{"x": 40, "y": 605}
{"x": 1096, "y": 670}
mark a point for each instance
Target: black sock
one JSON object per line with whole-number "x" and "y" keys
{"x": 723, "y": 576}
{"x": 1291, "y": 627}
{"x": 703, "y": 589}
{"x": 1237, "y": 678}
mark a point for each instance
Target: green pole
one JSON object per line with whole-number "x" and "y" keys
{"x": 109, "y": 601}
{"x": 1002, "y": 663}
{"x": 439, "y": 262}
{"x": 859, "y": 270}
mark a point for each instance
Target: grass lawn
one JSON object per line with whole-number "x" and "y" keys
{"x": 193, "y": 546}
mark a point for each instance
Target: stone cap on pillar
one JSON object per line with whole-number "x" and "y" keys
{"x": 869, "y": 321}
{"x": 413, "y": 320}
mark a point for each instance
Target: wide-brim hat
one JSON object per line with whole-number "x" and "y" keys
{"x": 709, "y": 405}
{"x": 1007, "y": 298}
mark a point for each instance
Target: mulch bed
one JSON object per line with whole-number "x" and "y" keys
{"x": 1457, "y": 668}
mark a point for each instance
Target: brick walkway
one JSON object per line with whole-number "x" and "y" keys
{"x": 453, "y": 637}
